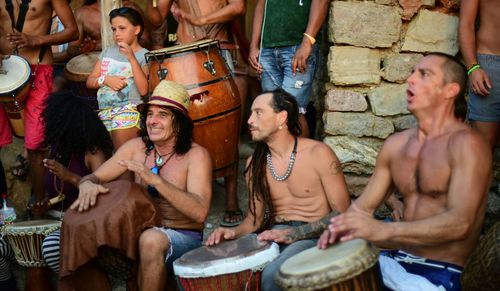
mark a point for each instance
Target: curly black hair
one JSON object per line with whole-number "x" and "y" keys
{"x": 182, "y": 127}
{"x": 73, "y": 128}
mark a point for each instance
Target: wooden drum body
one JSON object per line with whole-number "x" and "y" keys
{"x": 215, "y": 104}
{"x": 14, "y": 86}
{"x": 231, "y": 265}
{"x": 26, "y": 239}
{"x": 77, "y": 71}
{"x": 351, "y": 265}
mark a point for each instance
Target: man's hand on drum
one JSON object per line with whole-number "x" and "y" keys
{"x": 181, "y": 15}
{"x": 219, "y": 235}
{"x": 253, "y": 59}
{"x": 3, "y": 57}
{"x": 351, "y": 225}
{"x": 115, "y": 82}
{"x": 39, "y": 208}
{"x": 88, "y": 45}
{"x": 281, "y": 236}
{"x": 21, "y": 40}
{"x": 88, "y": 195}
{"x": 142, "y": 171}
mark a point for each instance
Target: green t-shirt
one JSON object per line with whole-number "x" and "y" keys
{"x": 285, "y": 22}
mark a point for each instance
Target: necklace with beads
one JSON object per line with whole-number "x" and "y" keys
{"x": 288, "y": 171}
{"x": 159, "y": 159}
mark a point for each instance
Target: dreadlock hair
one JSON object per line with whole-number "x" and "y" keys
{"x": 181, "y": 125}
{"x": 258, "y": 186}
{"x": 454, "y": 71}
{"x": 73, "y": 128}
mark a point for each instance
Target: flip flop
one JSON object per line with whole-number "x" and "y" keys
{"x": 20, "y": 168}
{"x": 229, "y": 218}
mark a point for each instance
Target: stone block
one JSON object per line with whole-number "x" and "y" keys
{"x": 353, "y": 65}
{"x": 397, "y": 67}
{"x": 404, "y": 122}
{"x": 410, "y": 7}
{"x": 357, "y": 124}
{"x": 344, "y": 100}
{"x": 432, "y": 31}
{"x": 388, "y": 99}
{"x": 364, "y": 24}
{"x": 356, "y": 184}
{"x": 357, "y": 155}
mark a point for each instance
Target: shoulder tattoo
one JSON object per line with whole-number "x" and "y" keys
{"x": 335, "y": 167}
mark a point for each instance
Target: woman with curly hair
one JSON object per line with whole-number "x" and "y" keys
{"x": 78, "y": 144}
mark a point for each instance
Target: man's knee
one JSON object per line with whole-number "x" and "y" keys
{"x": 153, "y": 243}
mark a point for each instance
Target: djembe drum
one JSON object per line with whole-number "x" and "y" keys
{"x": 77, "y": 71}
{"x": 215, "y": 104}
{"x": 26, "y": 240}
{"x": 14, "y": 86}
{"x": 103, "y": 241}
{"x": 351, "y": 265}
{"x": 482, "y": 270}
{"x": 231, "y": 265}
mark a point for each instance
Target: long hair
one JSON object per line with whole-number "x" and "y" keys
{"x": 132, "y": 15}
{"x": 182, "y": 126}
{"x": 73, "y": 128}
{"x": 258, "y": 186}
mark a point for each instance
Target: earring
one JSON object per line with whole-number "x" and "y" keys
{"x": 281, "y": 127}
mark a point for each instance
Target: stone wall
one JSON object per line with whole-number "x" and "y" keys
{"x": 373, "y": 46}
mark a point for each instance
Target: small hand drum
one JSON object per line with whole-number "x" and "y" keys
{"x": 77, "y": 71}
{"x": 26, "y": 240}
{"x": 350, "y": 265}
{"x": 231, "y": 265}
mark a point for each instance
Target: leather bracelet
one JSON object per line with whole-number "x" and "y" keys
{"x": 90, "y": 177}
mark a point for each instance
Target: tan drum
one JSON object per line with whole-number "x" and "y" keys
{"x": 77, "y": 71}
{"x": 26, "y": 240}
{"x": 14, "y": 86}
{"x": 215, "y": 104}
{"x": 231, "y": 265}
{"x": 351, "y": 265}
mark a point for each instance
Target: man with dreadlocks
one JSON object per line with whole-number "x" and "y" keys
{"x": 177, "y": 173}
{"x": 295, "y": 183}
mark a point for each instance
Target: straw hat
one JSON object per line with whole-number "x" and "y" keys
{"x": 169, "y": 94}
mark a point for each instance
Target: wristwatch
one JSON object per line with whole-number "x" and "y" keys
{"x": 100, "y": 80}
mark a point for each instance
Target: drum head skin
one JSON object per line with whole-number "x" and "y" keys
{"x": 79, "y": 68}
{"x": 246, "y": 253}
{"x": 43, "y": 226}
{"x": 15, "y": 72}
{"x": 182, "y": 48}
{"x": 314, "y": 268}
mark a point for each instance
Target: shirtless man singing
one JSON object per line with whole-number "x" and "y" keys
{"x": 294, "y": 182}
{"x": 442, "y": 169}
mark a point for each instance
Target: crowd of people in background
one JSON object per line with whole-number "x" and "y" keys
{"x": 298, "y": 195}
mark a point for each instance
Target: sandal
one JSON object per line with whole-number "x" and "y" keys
{"x": 20, "y": 168}
{"x": 232, "y": 218}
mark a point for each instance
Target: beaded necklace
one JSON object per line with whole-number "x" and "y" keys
{"x": 291, "y": 161}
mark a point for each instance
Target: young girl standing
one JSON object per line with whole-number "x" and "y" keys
{"x": 120, "y": 74}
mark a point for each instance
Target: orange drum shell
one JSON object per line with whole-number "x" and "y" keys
{"x": 15, "y": 109}
{"x": 215, "y": 104}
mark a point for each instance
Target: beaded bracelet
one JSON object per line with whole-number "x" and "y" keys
{"x": 472, "y": 68}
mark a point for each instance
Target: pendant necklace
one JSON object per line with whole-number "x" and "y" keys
{"x": 291, "y": 161}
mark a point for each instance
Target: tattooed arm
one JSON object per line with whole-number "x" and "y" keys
{"x": 293, "y": 234}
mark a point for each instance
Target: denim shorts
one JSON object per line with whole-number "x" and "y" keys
{"x": 277, "y": 73}
{"x": 180, "y": 243}
{"x": 487, "y": 108}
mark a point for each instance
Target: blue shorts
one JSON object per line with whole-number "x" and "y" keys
{"x": 438, "y": 273}
{"x": 180, "y": 243}
{"x": 277, "y": 73}
{"x": 487, "y": 108}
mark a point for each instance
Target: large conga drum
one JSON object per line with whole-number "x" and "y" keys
{"x": 215, "y": 104}
{"x": 26, "y": 239}
{"x": 99, "y": 247}
{"x": 77, "y": 71}
{"x": 232, "y": 265}
{"x": 14, "y": 86}
{"x": 482, "y": 270}
{"x": 351, "y": 265}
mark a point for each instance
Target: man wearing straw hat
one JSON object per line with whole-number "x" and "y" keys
{"x": 177, "y": 173}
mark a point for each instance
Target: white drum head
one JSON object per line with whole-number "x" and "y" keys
{"x": 246, "y": 253}
{"x": 43, "y": 226}
{"x": 15, "y": 72}
{"x": 322, "y": 268}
